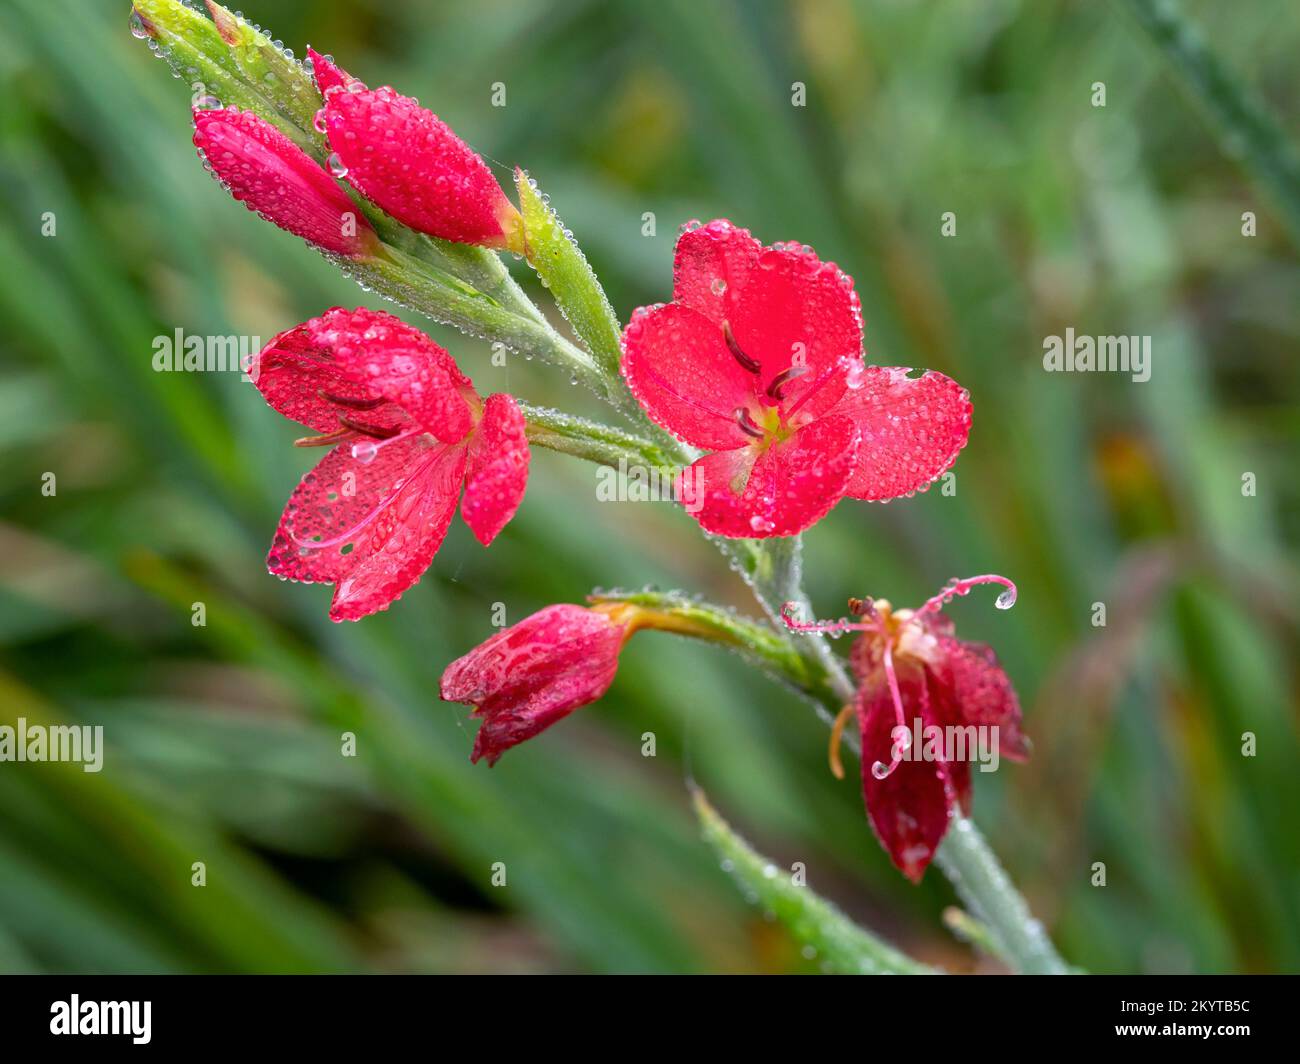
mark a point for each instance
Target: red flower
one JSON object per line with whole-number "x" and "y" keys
{"x": 409, "y": 162}
{"x": 536, "y": 672}
{"x": 410, "y": 431}
{"x": 909, "y": 661}
{"x": 758, "y": 359}
{"x": 271, "y": 175}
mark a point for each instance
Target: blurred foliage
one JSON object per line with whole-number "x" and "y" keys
{"x": 223, "y": 740}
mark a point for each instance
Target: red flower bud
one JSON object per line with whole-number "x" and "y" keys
{"x": 409, "y": 162}
{"x": 525, "y": 678}
{"x": 269, "y": 174}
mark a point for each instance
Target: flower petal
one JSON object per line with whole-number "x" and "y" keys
{"x": 397, "y": 362}
{"x": 270, "y": 174}
{"x": 326, "y": 73}
{"x": 372, "y": 527}
{"x": 677, "y": 365}
{"x": 295, "y": 375}
{"x": 796, "y": 311}
{"x": 498, "y": 469}
{"x": 409, "y": 162}
{"x": 969, "y": 677}
{"x": 912, "y": 429}
{"x": 910, "y": 808}
{"x": 710, "y": 265}
{"x": 525, "y": 678}
{"x": 785, "y": 490}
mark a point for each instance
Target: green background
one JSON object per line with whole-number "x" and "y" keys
{"x": 223, "y": 740}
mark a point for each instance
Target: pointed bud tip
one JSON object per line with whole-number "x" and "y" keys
{"x": 227, "y": 22}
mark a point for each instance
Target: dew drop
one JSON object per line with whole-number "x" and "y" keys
{"x": 336, "y": 165}
{"x": 365, "y": 451}
{"x": 318, "y": 121}
{"x": 1006, "y": 600}
{"x": 880, "y": 770}
{"x": 207, "y": 103}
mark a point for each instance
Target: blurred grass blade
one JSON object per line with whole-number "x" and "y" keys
{"x": 1246, "y": 130}
{"x": 815, "y": 923}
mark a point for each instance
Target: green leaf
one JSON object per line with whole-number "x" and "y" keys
{"x": 564, "y": 270}
{"x": 816, "y": 924}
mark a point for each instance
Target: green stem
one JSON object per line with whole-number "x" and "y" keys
{"x": 1247, "y": 132}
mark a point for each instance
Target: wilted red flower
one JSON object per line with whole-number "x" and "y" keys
{"x": 411, "y": 431}
{"x": 528, "y": 676}
{"x": 758, "y": 359}
{"x": 270, "y": 174}
{"x": 409, "y": 162}
{"x": 909, "y": 661}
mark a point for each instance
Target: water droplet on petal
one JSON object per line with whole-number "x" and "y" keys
{"x": 336, "y": 165}
{"x": 365, "y": 451}
{"x": 318, "y": 122}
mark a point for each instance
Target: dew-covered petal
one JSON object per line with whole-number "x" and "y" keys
{"x": 781, "y": 491}
{"x": 497, "y": 474}
{"x": 397, "y": 362}
{"x": 301, "y": 379}
{"x": 796, "y": 311}
{"x": 912, "y": 429}
{"x": 677, "y": 365}
{"x": 969, "y": 678}
{"x": 407, "y": 160}
{"x": 370, "y": 524}
{"x": 710, "y": 265}
{"x": 270, "y": 174}
{"x": 525, "y": 678}
{"x": 911, "y": 807}
{"x": 328, "y": 74}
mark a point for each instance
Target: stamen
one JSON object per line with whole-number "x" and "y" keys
{"x": 374, "y": 431}
{"x": 353, "y": 404}
{"x": 326, "y": 440}
{"x": 747, "y": 424}
{"x": 880, "y": 770}
{"x": 837, "y": 734}
{"x": 957, "y": 587}
{"x": 776, "y": 388}
{"x": 814, "y": 388}
{"x": 746, "y": 362}
{"x": 790, "y": 609}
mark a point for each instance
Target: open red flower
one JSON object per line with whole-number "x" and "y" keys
{"x": 528, "y": 676}
{"x": 410, "y": 431}
{"x": 408, "y": 161}
{"x": 758, "y": 359}
{"x": 270, "y": 174}
{"x": 928, "y": 705}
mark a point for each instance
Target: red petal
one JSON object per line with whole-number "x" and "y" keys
{"x": 398, "y": 362}
{"x": 498, "y": 469}
{"x": 912, "y": 429}
{"x": 909, "y": 809}
{"x": 785, "y": 490}
{"x": 409, "y": 162}
{"x": 327, "y": 73}
{"x": 527, "y": 677}
{"x": 292, "y": 371}
{"x": 677, "y": 365}
{"x": 795, "y": 310}
{"x": 270, "y": 174}
{"x": 980, "y": 692}
{"x": 711, "y": 265}
{"x": 371, "y": 527}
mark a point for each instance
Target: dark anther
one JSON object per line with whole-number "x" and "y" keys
{"x": 354, "y": 404}
{"x": 739, "y": 355}
{"x": 747, "y": 425}
{"x": 374, "y": 431}
{"x": 775, "y": 389}
{"x": 327, "y": 440}
{"x": 861, "y": 607}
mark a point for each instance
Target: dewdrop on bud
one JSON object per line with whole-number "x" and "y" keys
{"x": 1006, "y": 600}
